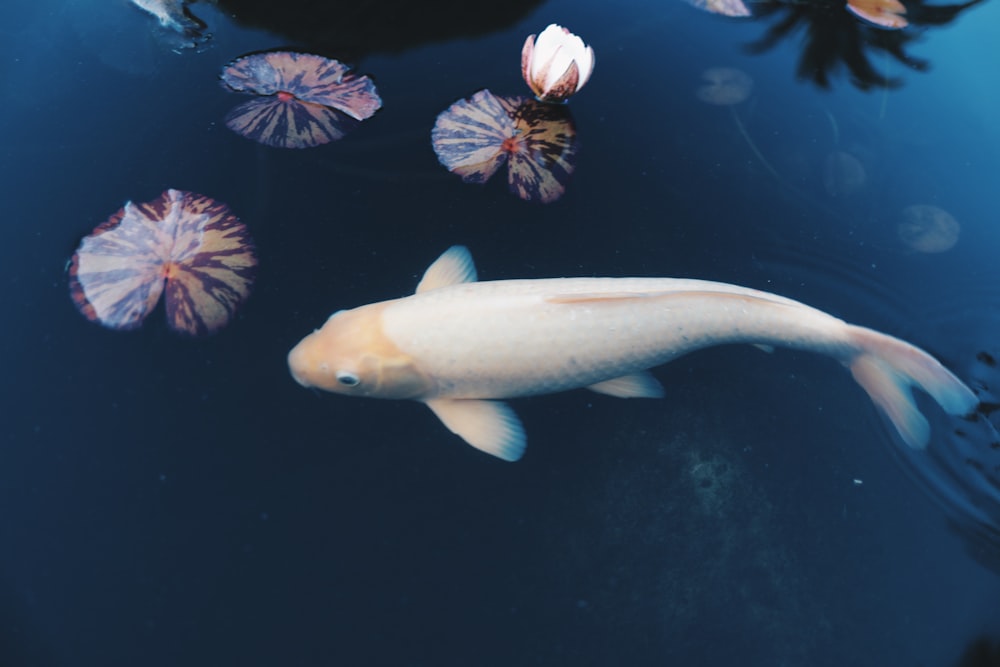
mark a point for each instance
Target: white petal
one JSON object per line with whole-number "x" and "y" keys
{"x": 586, "y": 65}
{"x": 551, "y": 38}
{"x": 577, "y": 49}
{"x": 559, "y": 64}
{"x": 548, "y": 42}
{"x": 557, "y": 47}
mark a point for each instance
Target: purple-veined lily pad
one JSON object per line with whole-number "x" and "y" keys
{"x": 184, "y": 244}
{"x": 476, "y": 135}
{"x": 303, "y": 100}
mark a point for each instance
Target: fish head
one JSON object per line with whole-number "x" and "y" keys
{"x": 351, "y": 355}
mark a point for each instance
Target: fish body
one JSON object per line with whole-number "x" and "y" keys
{"x": 460, "y": 346}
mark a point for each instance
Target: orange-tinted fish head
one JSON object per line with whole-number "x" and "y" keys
{"x": 350, "y": 355}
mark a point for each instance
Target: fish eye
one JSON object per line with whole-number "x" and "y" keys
{"x": 348, "y": 379}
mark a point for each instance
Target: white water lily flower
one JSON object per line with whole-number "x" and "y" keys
{"x": 557, "y": 64}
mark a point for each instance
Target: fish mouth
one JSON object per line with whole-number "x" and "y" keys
{"x": 295, "y": 361}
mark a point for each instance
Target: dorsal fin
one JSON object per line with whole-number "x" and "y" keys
{"x": 453, "y": 267}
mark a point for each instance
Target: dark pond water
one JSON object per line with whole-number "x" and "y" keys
{"x": 176, "y": 501}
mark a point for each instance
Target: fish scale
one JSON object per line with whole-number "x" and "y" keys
{"x": 517, "y": 338}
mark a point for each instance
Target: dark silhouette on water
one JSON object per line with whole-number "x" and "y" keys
{"x": 983, "y": 652}
{"x": 835, "y": 39}
{"x": 352, "y": 30}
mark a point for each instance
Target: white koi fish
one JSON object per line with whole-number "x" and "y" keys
{"x": 458, "y": 345}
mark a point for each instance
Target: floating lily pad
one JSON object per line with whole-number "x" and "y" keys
{"x": 468, "y": 137}
{"x": 724, "y": 86}
{"x": 928, "y": 229}
{"x": 475, "y": 136}
{"x": 303, "y": 100}
{"x": 182, "y": 243}
{"x": 843, "y": 174}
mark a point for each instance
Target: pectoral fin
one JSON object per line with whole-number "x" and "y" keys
{"x": 636, "y": 385}
{"x": 490, "y": 426}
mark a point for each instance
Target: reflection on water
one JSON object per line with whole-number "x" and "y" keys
{"x": 361, "y": 28}
{"x": 834, "y": 39}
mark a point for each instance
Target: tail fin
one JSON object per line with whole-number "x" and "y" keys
{"x": 888, "y": 368}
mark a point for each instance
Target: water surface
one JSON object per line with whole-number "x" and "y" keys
{"x": 173, "y": 501}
